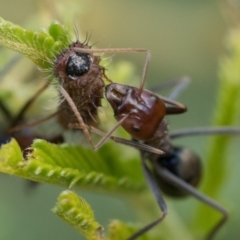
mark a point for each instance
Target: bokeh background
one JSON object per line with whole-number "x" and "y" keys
{"x": 186, "y": 38}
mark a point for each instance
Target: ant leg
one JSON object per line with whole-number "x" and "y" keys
{"x": 171, "y": 84}
{"x": 131, "y": 143}
{"x": 106, "y": 137}
{"x": 181, "y": 84}
{"x": 23, "y": 126}
{"x": 110, "y": 50}
{"x": 123, "y": 50}
{"x": 83, "y": 126}
{"x": 158, "y": 195}
{"x": 205, "y": 131}
{"x": 173, "y": 107}
{"x": 20, "y": 115}
{"x": 123, "y": 141}
{"x": 171, "y": 178}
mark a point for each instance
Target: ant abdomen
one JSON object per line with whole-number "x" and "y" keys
{"x": 185, "y": 165}
{"x": 146, "y": 110}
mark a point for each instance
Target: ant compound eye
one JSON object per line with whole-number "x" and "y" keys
{"x": 136, "y": 128}
{"x": 78, "y": 64}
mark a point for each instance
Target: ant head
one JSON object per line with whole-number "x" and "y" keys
{"x": 71, "y": 64}
{"x": 145, "y": 111}
{"x": 184, "y": 164}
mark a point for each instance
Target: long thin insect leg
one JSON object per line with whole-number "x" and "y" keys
{"x": 83, "y": 126}
{"x": 27, "y": 105}
{"x": 205, "y": 131}
{"x": 123, "y": 50}
{"x": 170, "y": 84}
{"x": 181, "y": 84}
{"x": 171, "y": 178}
{"x": 32, "y": 124}
{"x": 158, "y": 195}
{"x": 110, "y": 50}
{"x": 123, "y": 141}
{"x": 106, "y": 137}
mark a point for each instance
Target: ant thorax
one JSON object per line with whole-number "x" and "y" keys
{"x": 81, "y": 76}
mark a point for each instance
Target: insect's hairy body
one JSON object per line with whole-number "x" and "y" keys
{"x": 81, "y": 76}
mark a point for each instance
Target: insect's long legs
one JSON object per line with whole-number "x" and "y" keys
{"x": 86, "y": 129}
{"x": 171, "y": 178}
{"x": 131, "y": 143}
{"x": 32, "y": 124}
{"x": 181, "y": 84}
{"x": 26, "y": 106}
{"x": 123, "y": 50}
{"x": 158, "y": 195}
{"x": 175, "y": 85}
{"x": 82, "y": 125}
{"x": 205, "y": 131}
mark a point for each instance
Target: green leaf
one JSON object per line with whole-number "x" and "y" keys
{"x": 72, "y": 166}
{"x": 78, "y": 213}
{"x": 41, "y": 47}
{"x": 121, "y": 231}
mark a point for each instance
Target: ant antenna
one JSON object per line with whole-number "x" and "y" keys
{"x": 145, "y": 68}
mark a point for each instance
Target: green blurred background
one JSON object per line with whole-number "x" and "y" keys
{"x": 185, "y": 38}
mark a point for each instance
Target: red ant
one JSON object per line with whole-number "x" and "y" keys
{"x": 141, "y": 113}
{"x": 177, "y": 170}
